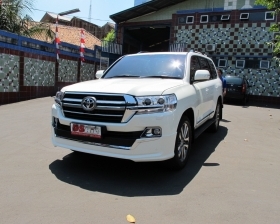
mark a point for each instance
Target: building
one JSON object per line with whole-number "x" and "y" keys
{"x": 99, "y": 32}
{"x": 233, "y": 33}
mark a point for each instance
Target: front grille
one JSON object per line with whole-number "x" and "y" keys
{"x": 125, "y": 139}
{"x": 109, "y": 107}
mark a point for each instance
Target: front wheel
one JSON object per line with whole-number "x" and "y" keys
{"x": 182, "y": 144}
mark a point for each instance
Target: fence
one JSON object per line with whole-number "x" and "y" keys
{"x": 29, "y": 69}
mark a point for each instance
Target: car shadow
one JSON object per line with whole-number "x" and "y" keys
{"x": 130, "y": 179}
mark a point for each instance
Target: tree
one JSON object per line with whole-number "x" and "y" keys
{"x": 110, "y": 37}
{"x": 273, "y": 5}
{"x": 14, "y": 18}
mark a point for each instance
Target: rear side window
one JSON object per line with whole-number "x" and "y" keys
{"x": 213, "y": 71}
{"x": 204, "y": 64}
{"x": 208, "y": 65}
{"x": 234, "y": 80}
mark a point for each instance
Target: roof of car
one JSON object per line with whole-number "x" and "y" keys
{"x": 233, "y": 77}
{"x": 168, "y": 52}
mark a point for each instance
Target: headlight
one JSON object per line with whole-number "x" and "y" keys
{"x": 58, "y": 97}
{"x": 156, "y": 104}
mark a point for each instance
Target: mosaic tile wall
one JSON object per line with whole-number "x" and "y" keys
{"x": 236, "y": 41}
{"x": 243, "y": 36}
{"x": 87, "y": 72}
{"x": 38, "y": 72}
{"x": 9, "y": 73}
{"x": 67, "y": 71}
{"x": 265, "y": 82}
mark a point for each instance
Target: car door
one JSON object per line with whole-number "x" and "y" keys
{"x": 215, "y": 85}
{"x": 201, "y": 92}
{"x": 208, "y": 86}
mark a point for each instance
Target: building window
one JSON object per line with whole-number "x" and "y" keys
{"x": 204, "y": 19}
{"x": 222, "y": 63}
{"x": 269, "y": 15}
{"x": 215, "y": 18}
{"x": 240, "y": 63}
{"x": 190, "y": 19}
{"x": 244, "y": 16}
{"x": 225, "y": 17}
{"x": 182, "y": 20}
{"x": 264, "y": 64}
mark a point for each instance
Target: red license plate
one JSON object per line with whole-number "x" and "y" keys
{"x": 86, "y": 130}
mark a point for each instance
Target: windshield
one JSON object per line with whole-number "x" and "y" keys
{"x": 149, "y": 66}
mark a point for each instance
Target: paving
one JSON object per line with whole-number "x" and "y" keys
{"x": 232, "y": 175}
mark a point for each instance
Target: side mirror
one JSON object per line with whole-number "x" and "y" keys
{"x": 99, "y": 74}
{"x": 201, "y": 75}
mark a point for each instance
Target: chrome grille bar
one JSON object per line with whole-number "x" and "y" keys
{"x": 109, "y": 107}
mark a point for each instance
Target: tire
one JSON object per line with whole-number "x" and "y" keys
{"x": 215, "y": 126}
{"x": 182, "y": 144}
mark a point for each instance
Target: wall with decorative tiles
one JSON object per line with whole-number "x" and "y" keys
{"x": 38, "y": 72}
{"x": 87, "y": 72}
{"x": 29, "y": 69}
{"x": 9, "y": 73}
{"x": 67, "y": 71}
{"x": 234, "y": 33}
{"x": 232, "y": 42}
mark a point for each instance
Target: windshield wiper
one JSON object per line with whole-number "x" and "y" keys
{"x": 162, "y": 76}
{"x": 122, "y": 76}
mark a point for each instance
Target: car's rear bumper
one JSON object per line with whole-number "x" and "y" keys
{"x": 236, "y": 96}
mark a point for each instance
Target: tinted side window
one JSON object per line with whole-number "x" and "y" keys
{"x": 234, "y": 80}
{"x": 204, "y": 64}
{"x": 194, "y": 66}
{"x": 213, "y": 72}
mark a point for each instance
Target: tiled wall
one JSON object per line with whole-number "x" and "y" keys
{"x": 236, "y": 41}
{"x": 265, "y": 82}
{"x": 9, "y": 73}
{"x": 38, "y": 72}
{"x": 67, "y": 70}
{"x": 87, "y": 72}
{"x": 227, "y": 36}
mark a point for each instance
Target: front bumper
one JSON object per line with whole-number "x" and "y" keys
{"x": 123, "y": 140}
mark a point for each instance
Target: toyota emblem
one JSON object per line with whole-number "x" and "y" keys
{"x": 89, "y": 103}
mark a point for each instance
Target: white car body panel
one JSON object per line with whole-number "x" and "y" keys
{"x": 201, "y": 97}
{"x": 131, "y": 86}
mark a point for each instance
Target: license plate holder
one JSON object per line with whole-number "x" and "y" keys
{"x": 86, "y": 130}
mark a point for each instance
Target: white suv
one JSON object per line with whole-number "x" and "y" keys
{"x": 145, "y": 107}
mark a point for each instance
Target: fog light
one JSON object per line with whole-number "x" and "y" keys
{"x": 157, "y": 131}
{"x": 151, "y": 132}
{"x": 55, "y": 122}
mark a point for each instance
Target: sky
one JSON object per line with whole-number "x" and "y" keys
{"x": 100, "y": 9}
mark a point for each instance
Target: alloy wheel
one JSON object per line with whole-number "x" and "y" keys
{"x": 184, "y": 141}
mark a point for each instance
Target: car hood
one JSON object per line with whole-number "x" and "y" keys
{"x": 132, "y": 86}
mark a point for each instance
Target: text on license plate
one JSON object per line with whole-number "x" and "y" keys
{"x": 86, "y": 130}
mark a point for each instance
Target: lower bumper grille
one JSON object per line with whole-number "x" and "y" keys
{"x": 124, "y": 139}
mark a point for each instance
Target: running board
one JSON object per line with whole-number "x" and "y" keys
{"x": 203, "y": 127}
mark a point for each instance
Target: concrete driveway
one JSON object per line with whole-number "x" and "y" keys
{"x": 232, "y": 176}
